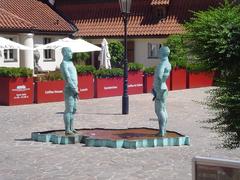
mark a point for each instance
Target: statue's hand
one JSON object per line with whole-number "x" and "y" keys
{"x": 76, "y": 95}
{"x": 154, "y": 94}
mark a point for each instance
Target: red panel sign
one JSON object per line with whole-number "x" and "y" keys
{"x": 107, "y": 87}
{"x": 178, "y": 79}
{"x": 85, "y": 86}
{"x": 201, "y": 79}
{"x": 135, "y": 82}
{"x": 49, "y": 91}
{"x": 16, "y": 91}
{"x": 148, "y": 83}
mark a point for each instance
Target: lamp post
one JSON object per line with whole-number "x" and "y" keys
{"x": 125, "y": 6}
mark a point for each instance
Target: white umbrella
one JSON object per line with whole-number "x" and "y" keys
{"x": 8, "y": 44}
{"x": 104, "y": 56}
{"x": 76, "y": 45}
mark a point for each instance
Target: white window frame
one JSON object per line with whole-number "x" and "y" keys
{"x": 48, "y": 54}
{"x": 10, "y": 55}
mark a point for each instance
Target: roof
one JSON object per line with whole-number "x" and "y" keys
{"x": 104, "y": 19}
{"x": 11, "y": 21}
{"x": 160, "y": 2}
{"x": 35, "y": 15}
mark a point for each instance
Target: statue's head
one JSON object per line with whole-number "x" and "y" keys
{"x": 164, "y": 52}
{"x": 36, "y": 55}
{"x": 67, "y": 53}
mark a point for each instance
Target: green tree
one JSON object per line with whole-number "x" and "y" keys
{"x": 81, "y": 58}
{"x": 116, "y": 50}
{"x": 213, "y": 36}
{"x": 178, "y": 55}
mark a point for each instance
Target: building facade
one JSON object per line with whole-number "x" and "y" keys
{"x": 150, "y": 22}
{"x": 32, "y": 23}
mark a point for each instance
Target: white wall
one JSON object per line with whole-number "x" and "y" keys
{"x": 16, "y": 52}
{"x": 48, "y": 65}
{"x": 141, "y": 51}
{"x": 21, "y": 55}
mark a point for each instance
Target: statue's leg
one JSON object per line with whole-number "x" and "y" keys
{"x": 165, "y": 94}
{"x": 160, "y": 110}
{"x": 72, "y": 118}
{"x": 68, "y": 111}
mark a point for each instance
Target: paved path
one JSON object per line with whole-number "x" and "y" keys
{"x": 21, "y": 158}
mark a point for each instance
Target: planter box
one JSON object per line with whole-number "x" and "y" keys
{"x": 107, "y": 87}
{"x": 135, "y": 82}
{"x": 48, "y": 91}
{"x": 148, "y": 83}
{"x": 200, "y": 79}
{"x": 178, "y": 79}
{"x": 16, "y": 91}
{"x": 85, "y": 86}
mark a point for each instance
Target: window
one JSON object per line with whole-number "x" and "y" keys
{"x": 153, "y": 50}
{"x": 160, "y": 12}
{"x": 48, "y": 53}
{"x": 10, "y": 54}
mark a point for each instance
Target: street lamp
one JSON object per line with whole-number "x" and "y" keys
{"x": 125, "y": 6}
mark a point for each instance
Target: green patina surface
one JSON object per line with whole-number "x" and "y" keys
{"x": 56, "y": 137}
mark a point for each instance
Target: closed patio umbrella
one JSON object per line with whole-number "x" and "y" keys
{"x": 104, "y": 56}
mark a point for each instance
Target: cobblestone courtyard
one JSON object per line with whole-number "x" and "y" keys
{"x": 21, "y": 158}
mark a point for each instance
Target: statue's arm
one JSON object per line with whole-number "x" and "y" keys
{"x": 160, "y": 73}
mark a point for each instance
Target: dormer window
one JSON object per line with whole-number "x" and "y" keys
{"x": 160, "y": 12}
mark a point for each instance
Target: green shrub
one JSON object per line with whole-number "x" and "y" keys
{"x": 50, "y": 76}
{"x": 80, "y": 58}
{"x": 116, "y": 50}
{"x": 149, "y": 70}
{"x": 135, "y": 67}
{"x": 178, "y": 51}
{"x": 213, "y": 37}
{"x": 108, "y": 73}
{"x": 196, "y": 67}
{"x": 53, "y": 76}
{"x": 85, "y": 69}
{"x": 15, "y": 72}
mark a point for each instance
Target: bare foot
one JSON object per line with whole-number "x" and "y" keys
{"x": 160, "y": 134}
{"x": 69, "y": 133}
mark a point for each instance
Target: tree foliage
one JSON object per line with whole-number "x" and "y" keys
{"x": 81, "y": 58}
{"x": 116, "y": 50}
{"x": 214, "y": 37}
{"x": 178, "y": 55}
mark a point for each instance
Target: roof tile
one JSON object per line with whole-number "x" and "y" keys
{"x": 33, "y": 13}
{"x": 9, "y": 20}
{"x": 95, "y": 19}
{"x": 160, "y": 2}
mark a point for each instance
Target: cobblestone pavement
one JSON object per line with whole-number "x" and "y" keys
{"x": 21, "y": 158}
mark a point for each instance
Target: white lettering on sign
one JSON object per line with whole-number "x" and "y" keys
{"x": 21, "y": 88}
{"x": 54, "y": 92}
{"x": 21, "y": 96}
{"x": 135, "y": 85}
{"x": 84, "y": 90}
{"x": 110, "y": 87}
